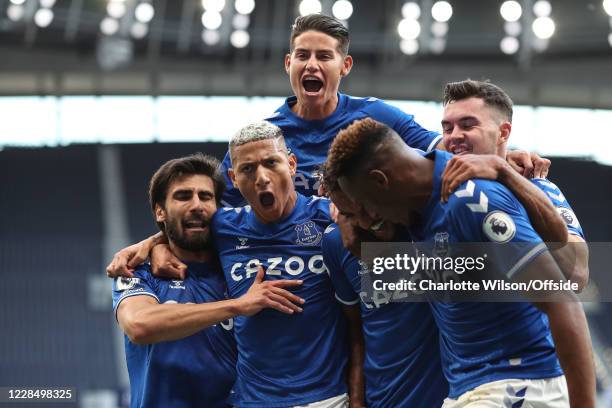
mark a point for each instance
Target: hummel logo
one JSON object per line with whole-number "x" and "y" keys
{"x": 178, "y": 284}
{"x": 514, "y": 398}
{"x": 242, "y": 243}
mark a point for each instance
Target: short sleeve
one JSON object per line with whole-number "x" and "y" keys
{"x": 404, "y": 124}
{"x": 487, "y": 212}
{"x": 339, "y": 264}
{"x": 556, "y": 196}
{"x": 142, "y": 284}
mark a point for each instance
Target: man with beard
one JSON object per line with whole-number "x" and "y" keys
{"x": 310, "y": 119}
{"x": 283, "y": 361}
{"x": 493, "y": 354}
{"x": 318, "y": 60}
{"x": 179, "y": 342}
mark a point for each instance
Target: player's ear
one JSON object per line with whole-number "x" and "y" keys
{"x": 292, "y": 163}
{"x": 505, "y": 128}
{"x": 232, "y": 176}
{"x": 287, "y": 62}
{"x": 379, "y": 178}
{"x": 346, "y": 67}
{"x": 160, "y": 213}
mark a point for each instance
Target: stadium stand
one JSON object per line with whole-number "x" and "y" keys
{"x": 50, "y": 232}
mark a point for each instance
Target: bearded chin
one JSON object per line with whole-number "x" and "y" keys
{"x": 194, "y": 243}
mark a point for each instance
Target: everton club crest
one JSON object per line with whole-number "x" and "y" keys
{"x": 440, "y": 248}
{"x": 308, "y": 234}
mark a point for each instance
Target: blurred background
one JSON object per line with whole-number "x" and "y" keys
{"x": 96, "y": 94}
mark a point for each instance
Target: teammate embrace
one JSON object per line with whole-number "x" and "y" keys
{"x": 283, "y": 263}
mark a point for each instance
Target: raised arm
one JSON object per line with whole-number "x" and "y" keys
{"x": 127, "y": 259}
{"x": 574, "y": 257}
{"x": 543, "y": 215}
{"x": 522, "y": 257}
{"x": 574, "y": 260}
{"x": 164, "y": 263}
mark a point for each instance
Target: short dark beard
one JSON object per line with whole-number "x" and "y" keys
{"x": 198, "y": 242}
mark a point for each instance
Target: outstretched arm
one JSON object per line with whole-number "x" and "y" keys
{"x": 145, "y": 321}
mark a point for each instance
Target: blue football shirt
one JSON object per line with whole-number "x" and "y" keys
{"x": 564, "y": 208}
{"x": 284, "y": 360}
{"x": 485, "y": 342}
{"x": 402, "y": 357}
{"x": 310, "y": 140}
{"x": 198, "y": 370}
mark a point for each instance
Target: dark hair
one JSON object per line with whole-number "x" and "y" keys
{"x": 352, "y": 149}
{"x": 174, "y": 169}
{"x": 324, "y": 24}
{"x": 491, "y": 94}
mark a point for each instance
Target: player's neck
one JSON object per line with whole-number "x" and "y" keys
{"x": 416, "y": 180}
{"x": 319, "y": 111}
{"x": 185, "y": 255}
{"x": 291, "y": 201}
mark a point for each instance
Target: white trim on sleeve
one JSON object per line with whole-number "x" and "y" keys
{"x": 434, "y": 143}
{"x": 344, "y": 302}
{"x": 536, "y": 250}
{"x": 130, "y": 295}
